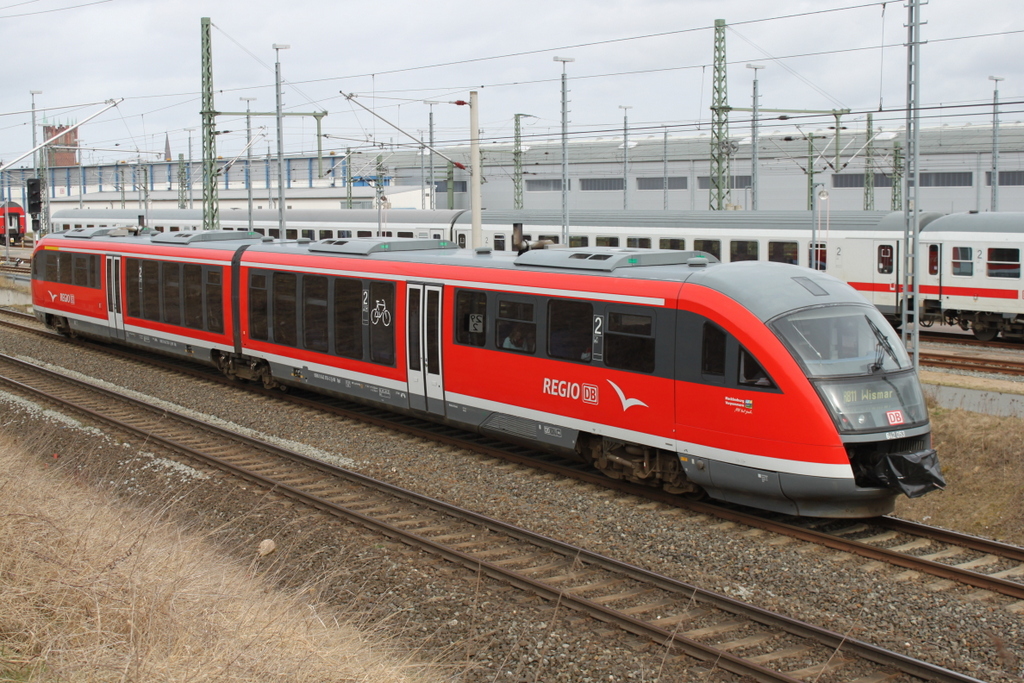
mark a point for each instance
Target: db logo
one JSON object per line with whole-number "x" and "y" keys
{"x": 895, "y": 417}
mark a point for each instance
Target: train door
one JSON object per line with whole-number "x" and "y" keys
{"x": 115, "y": 314}
{"x": 886, "y": 277}
{"x": 426, "y": 386}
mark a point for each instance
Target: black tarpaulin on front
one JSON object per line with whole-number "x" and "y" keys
{"x": 915, "y": 474}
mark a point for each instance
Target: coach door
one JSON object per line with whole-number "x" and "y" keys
{"x": 115, "y": 314}
{"x": 886, "y": 277}
{"x": 426, "y": 388}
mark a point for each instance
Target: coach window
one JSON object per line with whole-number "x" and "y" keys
{"x": 499, "y": 243}
{"x": 193, "y": 296}
{"x": 307, "y": 234}
{"x": 712, "y": 354}
{"x": 151, "y": 290}
{"x": 65, "y": 269}
{"x": 364, "y": 233}
{"x": 314, "y": 312}
{"x": 291, "y": 234}
{"x": 570, "y": 329}
{"x": 214, "y": 296}
{"x": 471, "y": 318}
{"x": 751, "y": 373}
{"x": 783, "y": 252}
{"x": 713, "y": 247}
{"x": 963, "y": 263}
{"x": 403, "y": 233}
{"x": 638, "y": 242}
{"x": 817, "y": 255}
{"x": 607, "y": 241}
{"x": 885, "y": 259}
{"x": 742, "y": 250}
{"x": 285, "y": 313}
{"x": 133, "y": 284}
{"x": 348, "y": 317}
{"x": 326, "y": 234}
{"x": 672, "y": 243}
{"x": 461, "y": 241}
{"x": 514, "y": 328}
{"x": 171, "y": 280}
{"x": 579, "y": 241}
{"x": 933, "y": 259}
{"x": 1003, "y": 262}
{"x": 382, "y": 328}
{"x": 629, "y": 342}
{"x": 258, "y": 306}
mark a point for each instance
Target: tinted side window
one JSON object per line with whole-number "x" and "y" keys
{"x": 348, "y": 320}
{"x": 713, "y": 247}
{"x": 712, "y": 355}
{"x": 258, "y": 306}
{"x": 751, "y": 373}
{"x": 382, "y": 328}
{"x": 471, "y": 318}
{"x": 783, "y": 252}
{"x": 214, "y": 300}
{"x": 193, "y": 296}
{"x": 314, "y": 312}
{"x": 172, "y": 292}
{"x": 133, "y": 284}
{"x": 742, "y": 250}
{"x": 570, "y": 329}
{"x": 514, "y": 327}
{"x": 629, "y": 342}
{"x": 151, "y": 290}
{"x": 285, "y": 311}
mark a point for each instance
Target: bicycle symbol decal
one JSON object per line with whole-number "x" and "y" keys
{"x": 380, "y": 314}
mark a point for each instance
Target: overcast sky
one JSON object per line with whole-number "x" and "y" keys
{"x": 653, "y": 56}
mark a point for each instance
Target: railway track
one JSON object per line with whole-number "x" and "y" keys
{"x": 949, "y": 556}
{"x": 1000, "y": 366}
{"x": 734, "y": 636}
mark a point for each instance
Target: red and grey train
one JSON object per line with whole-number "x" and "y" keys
{"x": 757, "y": 383}
{"x": 13, "y": 221}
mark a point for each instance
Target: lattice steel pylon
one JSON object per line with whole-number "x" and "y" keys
{"x": 182, "y": 183}
{"x": 211, "y": 207}
{"x": 869, "y": 166}
{"x": 720, "y": 146}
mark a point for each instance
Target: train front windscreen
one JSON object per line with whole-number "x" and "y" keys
{"x": 858, "y": 364}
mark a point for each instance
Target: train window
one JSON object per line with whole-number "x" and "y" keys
{"x": 326, "y": 234}
{"x": 933, "y": 259}
{"x": 570, "y": 329}
{"x": 348, "y": 318}
{"x": 214, "y": 300}
{"x": 193, "y": 296}
{"x": 275, "y": 233}
{"x": 314, "y": 312}
{"x": 307, "y": 234}
{"x": 471, "y": 318}
{"x": 606, "y": 242}
{"x": 364, "y": 233}
{"x": 579, "y": 241}
{"x": 514, "y": 328}
{"x": 258, "y": 307}
{"x": 499, "y": 243}
{"x": 784, "y": 252}
{"x": 133, "y": 284}
{"x": 751, "y": 372}
{"x": 405, "y": 234}
{"x": 382, "y": 331}
{"x": 65, "y": 270}
{"x": 285, "y": 313}
{"x": 171, "y": 281}
{"x": 151, "y": 290}
{"x": 259, "y": 231}
{"x": 344, "y": 233}
{"x": 712, "y": 354}
{"x": 638, "y": 242}
{"x": 885, "y": 259}
{"x": 963, "y": 263}
{"x": 291, "y": 234}
{"x": 629, "y": 342}
{"x": 713, "y": 247}
{"x": 461, "y": 240}
{"x": 672, "y": 243}
{"x": 86, "y": 270}
{"x": 817, "y": 254}
{"x": 554, "y": 239}
{"x": 743, "y": 250}
{"x": 1003, "y": 262}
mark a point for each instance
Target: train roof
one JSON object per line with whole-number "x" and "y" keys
{"x": 725, "y": 220}
{"x": 987, "y": 221}
{"x": 765, "y": 288}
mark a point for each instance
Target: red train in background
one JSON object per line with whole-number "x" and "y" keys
{"x": 14, "y": 222}
{"x": 758, "y": 383}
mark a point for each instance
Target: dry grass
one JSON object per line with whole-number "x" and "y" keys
{"x": 92, "y": 592}
{"x": 982, "y": 458}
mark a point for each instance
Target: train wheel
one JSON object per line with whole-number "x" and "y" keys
{"x": 985, "y": 334}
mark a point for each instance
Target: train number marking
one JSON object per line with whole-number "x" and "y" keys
{"x": 896, "y": 435}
